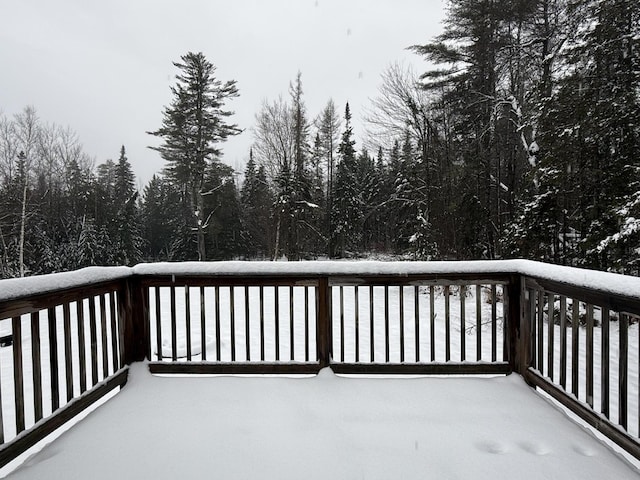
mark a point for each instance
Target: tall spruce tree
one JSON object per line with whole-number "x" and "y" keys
{"x": 302, "y": 209}
{"x": 347, "y": 212}
{"x": 126, "y": 235}
{"x": 256, "y": 201}
{"x": 193, "y": 127}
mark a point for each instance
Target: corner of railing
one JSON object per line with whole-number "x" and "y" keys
{"x": 519, "y": 331}
{"x": 134, "y": 311}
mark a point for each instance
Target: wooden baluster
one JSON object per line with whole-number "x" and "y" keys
{"x": 53, "y": 356}
{"x": 232, "y": 312}
{"x": 324, "y": 329}
{"x": 292, "y": 348}
{"x": 575, "y": 363}
{"x": 277, "y": 320}
{"x": 478, "y": 322}
{"x": 371, "y": 325}
{"x": 306, "y": 323}
{"x": 103, "y": 337}
{"x": 463, "y": 323}
{"x": 386, "y": 324}
{"x": 174, "y": 325}
{"x": 533, "y": 298}
{"x": 447, "y": 324}
{"x": 494, "y": 324}
{"x": 432, "y": 322}
{"x": 550, "y": 335}
{"x": 341, "y": 289}
{"x": 401, "y": 313}
{"x": 540, "y": 335}
{"x": 416, "y": 318}
{"x": 203, "y": 325}
{"x": 36, "y": 363}
{"x": 356, "y": 307}
{"x": 604, "y": 363}
{"x": 114, "y": 331}
{"x": 158, "y": 324}
{"x": 563, "y": 341}
{"x": 261, "y": 323}
{"x": 82, "y": 354}
{"x": 218, "y": 329}
{"x": 247, "y": 324}
{"x": 18, "y": 374}
{"x": 589, "y": 355}
{"x": 68, "y": 360}
{"x": 187, "y": 320}
{"x": 622, "y": 370}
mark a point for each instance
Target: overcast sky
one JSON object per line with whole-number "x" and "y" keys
{"x": 105, "y": 68}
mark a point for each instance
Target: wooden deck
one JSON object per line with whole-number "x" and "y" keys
{"x": 325, "y": 427}
{"x": 572, "y": 333}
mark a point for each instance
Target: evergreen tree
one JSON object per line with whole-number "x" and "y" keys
{"x": 256, "y": 201}
{"x": 347, "y": 211}
{"x": 164, "y": 228}
{"x": 125, "y": 232}
{"x": 585, "y": 169}
{"x": 223, "y": 226}
{"x": 193, "y": 126}
{"x": 301, "y": 207}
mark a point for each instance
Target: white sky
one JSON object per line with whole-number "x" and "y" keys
{"x": 104, "y": 68}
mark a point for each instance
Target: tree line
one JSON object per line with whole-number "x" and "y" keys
{"x": 520, "y": 139}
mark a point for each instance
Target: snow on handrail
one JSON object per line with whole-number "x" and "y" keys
{"x": 590, "y": 279}
{"x": 14, "y": 288}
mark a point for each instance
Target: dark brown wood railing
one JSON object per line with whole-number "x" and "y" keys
{"x": 65, "y": 355}
{"x": 299, "y": 323}
{"x": 579, "y": 350}
{"x": 573, "y": 336}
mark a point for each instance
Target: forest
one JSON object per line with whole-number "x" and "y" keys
{"x": 518, "y": 140}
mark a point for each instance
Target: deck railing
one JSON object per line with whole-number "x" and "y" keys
{"x": 299, "y": 323}
{"x": 66, "y": 351}
{"x": 570, "y": 332}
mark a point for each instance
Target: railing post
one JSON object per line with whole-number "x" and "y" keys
{"x": 518, "y": 326}
{"x": 134, "y": 322}
{"x": 323, "y": 325}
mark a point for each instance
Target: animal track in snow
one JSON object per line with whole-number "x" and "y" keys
{"x": 584, "y": 450}
{"x": 492, "y": 446}
{"x": 534, "y": 447}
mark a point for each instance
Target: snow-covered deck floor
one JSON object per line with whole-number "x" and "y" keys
{"x": 325, "y": 427}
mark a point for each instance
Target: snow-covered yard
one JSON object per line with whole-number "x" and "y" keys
{"x": 325, "y": 427}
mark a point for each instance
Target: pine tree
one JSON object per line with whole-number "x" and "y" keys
{"x": 164, "y": 230}
{"x": 223, "y": 225}
{"x": 609, "y": 55}
{"x": 347, "y": 211}
{"x": 193, "y": 126}
{"x": 301, "y": 207}
{"x": 125, "y": 230}
{"x": 585, "y": 169}
{"x": 256, "y": 201}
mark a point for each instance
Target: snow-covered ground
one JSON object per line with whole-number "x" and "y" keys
{"x": 325, "y": 427}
